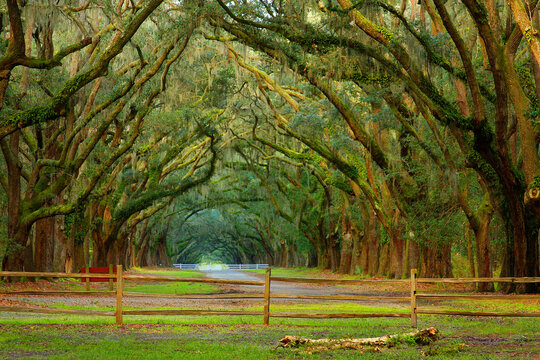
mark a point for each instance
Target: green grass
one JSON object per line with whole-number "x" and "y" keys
{"x": 491, "y": 305}
{"x": 166, "y": 272}
{"x": 342, "y": 307}
{"x": 172, "y": 288}
{"x": 275, "y": 308}
{"x": 242, "y": 337}
{"x": 37, "y": 336}
{"x": 300, "y": 272}
{"x": 307, "y": 272}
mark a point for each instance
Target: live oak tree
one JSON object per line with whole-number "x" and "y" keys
{"x": 26, "y": 209}
{"x": 367, "y": 136}
{"x": 483, "y": 138}
{"x": 62, "y": 156}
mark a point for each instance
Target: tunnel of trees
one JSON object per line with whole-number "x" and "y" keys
{"x": 364, "y": 137}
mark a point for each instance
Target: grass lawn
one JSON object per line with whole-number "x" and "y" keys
{"x": 304, "y": 272}
{"x": 242, "y": 337}
{"x": 165, "y": 272}
{"x": 36, "y": 336}
{"x": 39, "y": 336}
{"x": 169, "y": 287}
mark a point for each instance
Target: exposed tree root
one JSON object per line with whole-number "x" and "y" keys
{"x": 420, "y": 337}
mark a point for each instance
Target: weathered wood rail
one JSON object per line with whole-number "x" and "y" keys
{"x": 267, "y": 295}
{"x": 219, "y": 267}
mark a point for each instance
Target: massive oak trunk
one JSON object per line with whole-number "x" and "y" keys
{"x": 17, "y": 232}
{"x": 346, "y": 253}
{"x": 397, "y": 250}
{"x": 372, "y": 251}
{"x": 482, "y": 248}
{"x": 44, "y": 244}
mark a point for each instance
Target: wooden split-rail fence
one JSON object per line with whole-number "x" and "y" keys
{"x": 266, "y": 295}
{"x": 221, "y": 266}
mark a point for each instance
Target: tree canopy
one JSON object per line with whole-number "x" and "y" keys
{"x": 363, "y": 137}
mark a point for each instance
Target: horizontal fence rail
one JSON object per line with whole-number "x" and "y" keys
{"x": 478, "y": 313}
{"x": 341, "y": 297}
{"x": 246, "y": 266}
{"x": 187, "y": 266}
{"x": 337, "y": 315}
{"x": 477, "y": 297}
{"x": 190, "y": 312}
{"x": 522, "y": 280}
{"x": 38, "y": 310}
{"x": 221, "y": 266}
{"x": 57, "y": 292}
{"x": 338, "y": 281}
{"x": 196, "y": 296}
{"x": 265, "y": 295}
{"x": 43, "y": 310}
{"x": 192, "y": 280}
{"x": 54, "y": 275}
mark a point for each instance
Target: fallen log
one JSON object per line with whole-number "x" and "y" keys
{"x": 420, "y": 337}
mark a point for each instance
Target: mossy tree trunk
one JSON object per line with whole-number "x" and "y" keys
{"x": 346, "y": 243}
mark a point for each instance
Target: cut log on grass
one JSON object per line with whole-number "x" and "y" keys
{"x": 420, "y": 337}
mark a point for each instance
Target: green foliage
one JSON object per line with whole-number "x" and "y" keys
{"x": 448, "y": 350}
{"x": 536, "y": 183}
{"x": 173, "y": 288}
{"x": 76, "y": 226}
{"x": 290, "y": 151}
{"x": 226, "y": 337}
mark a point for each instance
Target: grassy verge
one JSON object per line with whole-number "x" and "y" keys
{"x": 77, "y": 284}
{"x": 305, "y": 272}
{"x": 514, "y": 306}
{"x": 169, "y": 287}
{"x": 172, "y": 288}
{"x": 275, "y": 308}
{"x": 36, "y": 336}
{"x": 243, "y": 337}
{"x": 336, "y": 307}
{"x": 166, "y": 272}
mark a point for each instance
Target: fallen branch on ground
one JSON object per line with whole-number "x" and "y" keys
{"x": 420, "y": 337}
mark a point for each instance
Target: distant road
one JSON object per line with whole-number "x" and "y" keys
{"x": 232, "y": 275}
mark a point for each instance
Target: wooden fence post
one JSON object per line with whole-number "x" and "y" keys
{"x": 267, "y": 296}
{"x": 413, "y": 298}
{"x": 87, "y": 270}
{"x": 111, "y": 281}
{"x": 119, "y": 286}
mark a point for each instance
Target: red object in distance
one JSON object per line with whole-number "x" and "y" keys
{"x": 98, "y": 270}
